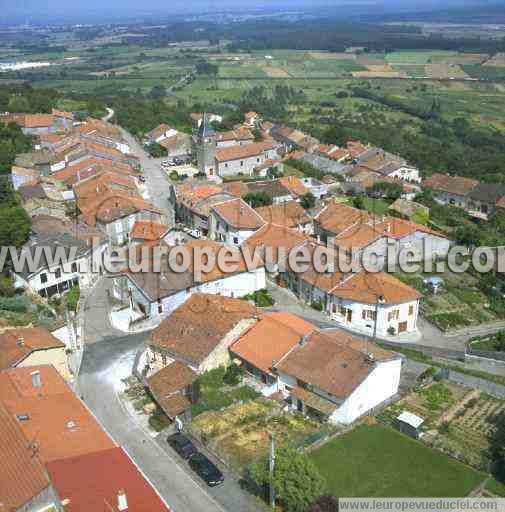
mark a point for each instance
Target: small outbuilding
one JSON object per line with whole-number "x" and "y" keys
{"x": 410, "y": 424}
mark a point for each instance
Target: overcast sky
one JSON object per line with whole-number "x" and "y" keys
{"x": 130, "y": 7}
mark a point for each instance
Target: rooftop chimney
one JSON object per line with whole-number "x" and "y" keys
{"x": 122, "y": 502}
{"x": 304, "y": 340}
{"x": 36, "y": 382}
{"x": 21, "y": 341}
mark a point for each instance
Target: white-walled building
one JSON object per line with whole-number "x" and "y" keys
{"x": 233, "y": 221}
{"x": 236, "y": 160}
{"x": 157, "y": 294}
{"x": 329, "y": 374}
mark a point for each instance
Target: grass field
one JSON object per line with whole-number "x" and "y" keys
{"x": 378, "y": 461}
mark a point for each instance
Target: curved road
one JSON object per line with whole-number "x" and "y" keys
{"x": 108, "y": 357}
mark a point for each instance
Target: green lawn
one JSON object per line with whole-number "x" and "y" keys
{"x": 378, "y": 206}
{"x": 379, "y": 461}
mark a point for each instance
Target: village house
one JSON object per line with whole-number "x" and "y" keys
{"x": 328, "y": 374}
{"x": 349, "y": 227}
{"x": 238, "y": 137}
{"x": 379, "y": 161}
{"x": 54, "y": 276}
{"x": 251, "y": 119}
{"x": 32, "y": 346}
{"x": 243, "y": 159}
{"x": 484, "y": 200}
{"x": 280, "y": 240}
{"x": 161, "y": 132}
{"x": 177, "y": 145}
{"x": 289, "y": 214}
{"x": 157, "y": 294}
{"x": 192, "y": 203}
{"x": 451, "y": 190}
{"x": 21, "y": 176}
{"x": 147, "y": 231}
{"x": 115, "y": 212}
{"x": 370, "y": 303}
{"x": 317, "y": 188}
{"x": 292, "y": 139}
{"x": 193, "y": 340}
{"x": 233, "y": 221}
{"x": 295, "y": 186}
{"x": 65, "y": 442}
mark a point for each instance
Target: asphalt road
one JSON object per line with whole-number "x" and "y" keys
{"x": 104, "y": 364}
{"x": 157, "y": 185}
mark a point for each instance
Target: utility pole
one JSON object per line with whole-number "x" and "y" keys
{"x": 271, "y": 467}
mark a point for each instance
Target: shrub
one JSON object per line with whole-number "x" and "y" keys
{"x": 14, "y": 304}
{"x": 391, "y": 331}
{"x": 73, "y": 297}
{"x": 233, "y": 375}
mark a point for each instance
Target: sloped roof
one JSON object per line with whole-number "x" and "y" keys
{"x": 168, "y": 385}
{"x": 288, "y": 213}
{"x": 195, "y": 329}
{"x": 106, "y": 472}
{"x": 148, "y": 230}
{"x": 338, "y": 216}
{"x": 270, "y": 339}
{"x": 367, "y": 287}
{"x": 238, "y": 214}
{"x": 38, "y": 120}
{"x": 246, "y": 151}
{"x": 58, "y": 421}
{"x": 22, "y": 475}
{"x": 13, "y": 350}
{"x": 294, "y": 185}
{"x": 158, "y": 131}
{"x": 332, "y": 362}
{"x": 452, "y": 184}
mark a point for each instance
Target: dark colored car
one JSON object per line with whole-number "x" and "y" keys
{"x": 142, "y": 179}
{"x": 206, "y": 470}
{"x": 182, "y": 445}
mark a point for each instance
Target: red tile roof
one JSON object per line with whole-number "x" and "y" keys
{"x": 91, "y": 483}
{"x": 59, "y": 423}
{"x": 451, "y": 184}
{"x": 18, "y": 344}
{"x": 238, "y": 214}
{"x": 22, "y": 475}
{"x": 294, "y": 185}
{"x": 38, "y": 120}
{"x": 148, "y": 230}
{"x": 289, "y": 214}
{"x": 195, "y": 329}
{"x": 246, "y": 151}
{"x": 273, "y": 336}
{"x": 332, "y": 362}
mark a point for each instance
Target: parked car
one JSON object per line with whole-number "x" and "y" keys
{"x": 182, "y": 445}
{"x": 206, "y": 469}
{"x": 142, "y": 179}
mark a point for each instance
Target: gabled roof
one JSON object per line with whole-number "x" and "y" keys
{"x": 168, "y": 385}
{"x": 288, "y": 213}
{"x": 275, "y": 236}
{"x": 38, "y": 120}
{"x": 103, "y": 182}
{"x": 195, "y": 329}
{"x": 270, "y": 339}
{"x": 238, "y": 214}
{"x": 338, "y": 216}
{"x": 294, "y": 185}
{"x": 160, "y": 130}
{"x": 58, "y": 422}
{"x": 22, "y": 475}
{"x": 18, "y": 344}
{"x": 370, "y": 288}
{"x": 105, "y": 473}
{"x": 451, "y": 184}
{"x": 148, "y": 230}
{"x": 246, "y": 151}
{"x": 241, "y": 133}
{"x": 334, "y": 361}
{"x": 489, "y": 193}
